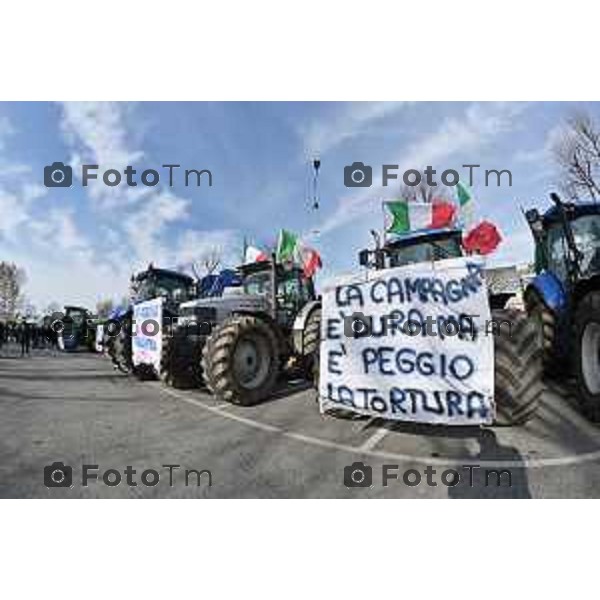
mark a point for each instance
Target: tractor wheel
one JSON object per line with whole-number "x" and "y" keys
{"x": 537, "y": 309}
{"x": 240, "y": 360}
{"x": 177, "y": 368}
{"x": 311, "y": 344}
{"x": 518, "y": 363}
{"x": 587, "y": 354}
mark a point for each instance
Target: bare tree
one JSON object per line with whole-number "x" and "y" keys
{"x": 423, "y": 192}
{"x": 210, "y": 260}
{"x": 104, "y": 308}
{"x": 52, "y": 308}
{"x": 12, "y": 279}
{"x": 577, "y": 152}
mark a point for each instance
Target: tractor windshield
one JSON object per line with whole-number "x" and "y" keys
{"x": 425, "y": 251}
{"x": 258, "y": 283}
{"x": 169, "y": 286}
{"x": 291, "y": 286}
{"x": 76, "y": 315}
{"x": 586, "y": 232}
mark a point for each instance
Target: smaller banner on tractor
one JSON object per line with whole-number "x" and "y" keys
{"x": 147, "y": 334}
{"x": 412, "y": 343}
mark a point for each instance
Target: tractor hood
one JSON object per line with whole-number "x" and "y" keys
{"x": 216, "y": 309}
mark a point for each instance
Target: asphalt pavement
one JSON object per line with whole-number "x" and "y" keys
{"x": 116, "y": 431}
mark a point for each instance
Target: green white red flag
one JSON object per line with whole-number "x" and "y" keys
{"x": 415, "y": 216}
{"x": 292, "y": 250}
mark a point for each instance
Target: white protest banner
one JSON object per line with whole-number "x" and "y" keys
{"x": 147, "y": 333}
{"x": 99, "y": 342}
{"x": 410, "y": 343}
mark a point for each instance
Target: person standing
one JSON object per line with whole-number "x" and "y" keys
{"x": 25, "y": 337}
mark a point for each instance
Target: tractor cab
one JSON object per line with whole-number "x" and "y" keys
{"x": 153, "y": 283}
{"x": 293, "y": 290}
{"x": 75, "y": 332}
{"x": 415, "y": 247}
{"x": 570, "y": 261}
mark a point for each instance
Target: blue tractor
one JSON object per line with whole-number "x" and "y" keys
{"x": 565, "y": 294}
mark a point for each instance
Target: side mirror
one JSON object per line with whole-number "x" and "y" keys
{"x": 534, "y": 220}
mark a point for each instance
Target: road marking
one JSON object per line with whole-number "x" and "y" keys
{"x": 219, "y": 411}
{"x": 374, "y": 439}
{"x": 530, "y": 463}
{"x": 223, "y": 405}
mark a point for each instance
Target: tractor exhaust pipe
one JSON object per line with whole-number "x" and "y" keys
{"x": 274, "y": 286}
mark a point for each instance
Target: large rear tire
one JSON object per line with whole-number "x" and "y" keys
{"x": 179, "y": 365}
{"x": 311, "y": 344}
{"x": 240, "y": 360}
{"x": 587, "y": 354}
{"x": 518, "y": 361}
{"x": 537, "y": 310}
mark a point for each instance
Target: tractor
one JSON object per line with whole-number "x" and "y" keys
{"x": 170, "y": 286}
{"x": 517, "y": 352}
{"x": 76, "y": 332}
{"x": 245, "y": 337}
{"x": 564, "y": 296}
{"x": 182, "y": 348}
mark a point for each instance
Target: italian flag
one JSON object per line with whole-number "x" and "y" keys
{"x": 413, "y": 216}
{"x": 254, "y": 254}
{"x": 292, "y": 250}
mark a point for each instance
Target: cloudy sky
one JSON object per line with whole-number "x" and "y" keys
{"x": 79, "y": 244}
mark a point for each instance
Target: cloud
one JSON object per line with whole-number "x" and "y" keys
{"x": 98, "y": 133}
{"x": 17, "y": 191}
{"x": 99, "y": 129}
{"x": 544, "y": 153}
{"x": 352, "y": 119}
{"x": 6, "y": 130}
{"x": 145, "y": 225}
{"x": 13, "y": 214}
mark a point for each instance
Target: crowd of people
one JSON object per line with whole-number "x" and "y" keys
{"x": 27, "y": 336}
